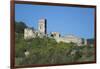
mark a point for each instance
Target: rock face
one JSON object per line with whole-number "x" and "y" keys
{"x": 26, "y": 53}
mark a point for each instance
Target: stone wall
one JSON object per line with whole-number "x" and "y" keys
{"x": 29, "y": 33}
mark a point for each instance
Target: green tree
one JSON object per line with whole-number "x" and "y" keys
{"x": 19, "y": 27}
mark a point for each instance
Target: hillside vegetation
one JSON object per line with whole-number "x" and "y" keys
{"x": 47, "y": 51}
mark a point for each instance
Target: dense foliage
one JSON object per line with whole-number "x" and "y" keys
{"x": 19, "y": 27}
{"x": 47, "y": 51}
{"x": 90, "y": 41}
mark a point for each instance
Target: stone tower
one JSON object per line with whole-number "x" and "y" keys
{"x": 42, "y": 26}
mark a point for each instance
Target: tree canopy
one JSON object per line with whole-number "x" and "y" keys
{"x": 19, "y": 27}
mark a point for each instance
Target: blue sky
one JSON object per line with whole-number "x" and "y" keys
{"x": 66, "y": 20}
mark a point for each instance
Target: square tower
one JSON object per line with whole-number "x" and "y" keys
{"x": 42, "y": 28}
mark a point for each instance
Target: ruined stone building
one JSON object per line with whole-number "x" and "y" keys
{"x": 68, "y": 39}
{"x": 42, "y": 27}
{"x": 30, "y": 33}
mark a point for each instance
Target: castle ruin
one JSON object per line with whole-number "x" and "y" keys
{"x": 30, "y": 33}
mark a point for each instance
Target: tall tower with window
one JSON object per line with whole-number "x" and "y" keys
{"x": 42, "y": 27}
